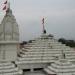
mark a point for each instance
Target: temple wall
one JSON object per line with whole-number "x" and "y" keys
{"x": 8, "y": 51}
{"x": 32, "y": 65}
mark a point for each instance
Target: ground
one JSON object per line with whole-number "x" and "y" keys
{"x": 34, "y": 73}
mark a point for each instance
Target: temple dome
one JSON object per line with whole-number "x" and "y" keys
{"x": 9, "y": 27}
{"x": 9, "y": 37}
{"x": 43, "y": 51}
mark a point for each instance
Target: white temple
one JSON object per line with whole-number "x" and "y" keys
{"x": 9, "y": 38}
{"x": 43, "y": 53}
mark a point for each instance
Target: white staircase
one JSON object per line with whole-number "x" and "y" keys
{"x": 61, "y": 67}
{"x": 9, "y": 68}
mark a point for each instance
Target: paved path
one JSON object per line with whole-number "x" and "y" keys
{"x": 35, "y": 73}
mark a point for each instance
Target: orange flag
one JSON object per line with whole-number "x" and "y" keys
{"x": 4, "y": 8}
{"x": 5, "y": 2}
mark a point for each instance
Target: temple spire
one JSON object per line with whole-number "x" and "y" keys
{"x": 9, "y": 35}
{"x": 43, "y": 23}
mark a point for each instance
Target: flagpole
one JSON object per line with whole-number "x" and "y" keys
{"x": 43, "y": 28}
{"x": 43, "y": 23}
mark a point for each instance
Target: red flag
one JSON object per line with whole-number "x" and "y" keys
{"x": 43, "y": 21}
{"x": 5, "y": 2}
{"x": 4, "y": 8}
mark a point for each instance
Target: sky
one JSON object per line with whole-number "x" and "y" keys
{"x": 59, "y": 17}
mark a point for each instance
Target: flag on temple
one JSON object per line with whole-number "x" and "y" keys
{"x": 4, "y": 8}
{"x": 5, "y": 2}
{"x": 43, "y": 21}
{"x": 5, "y": 5}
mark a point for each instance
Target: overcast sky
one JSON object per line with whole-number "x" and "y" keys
{"x": 59, "y": 17}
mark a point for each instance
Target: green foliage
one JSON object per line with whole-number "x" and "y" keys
{"x": 70, "y": 43}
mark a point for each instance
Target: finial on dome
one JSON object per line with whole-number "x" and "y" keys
{"x": 9, "y": 5}
{"x": 43, "y": 22}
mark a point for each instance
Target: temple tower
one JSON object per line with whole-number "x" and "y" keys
{"x": 9, "y": 37}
